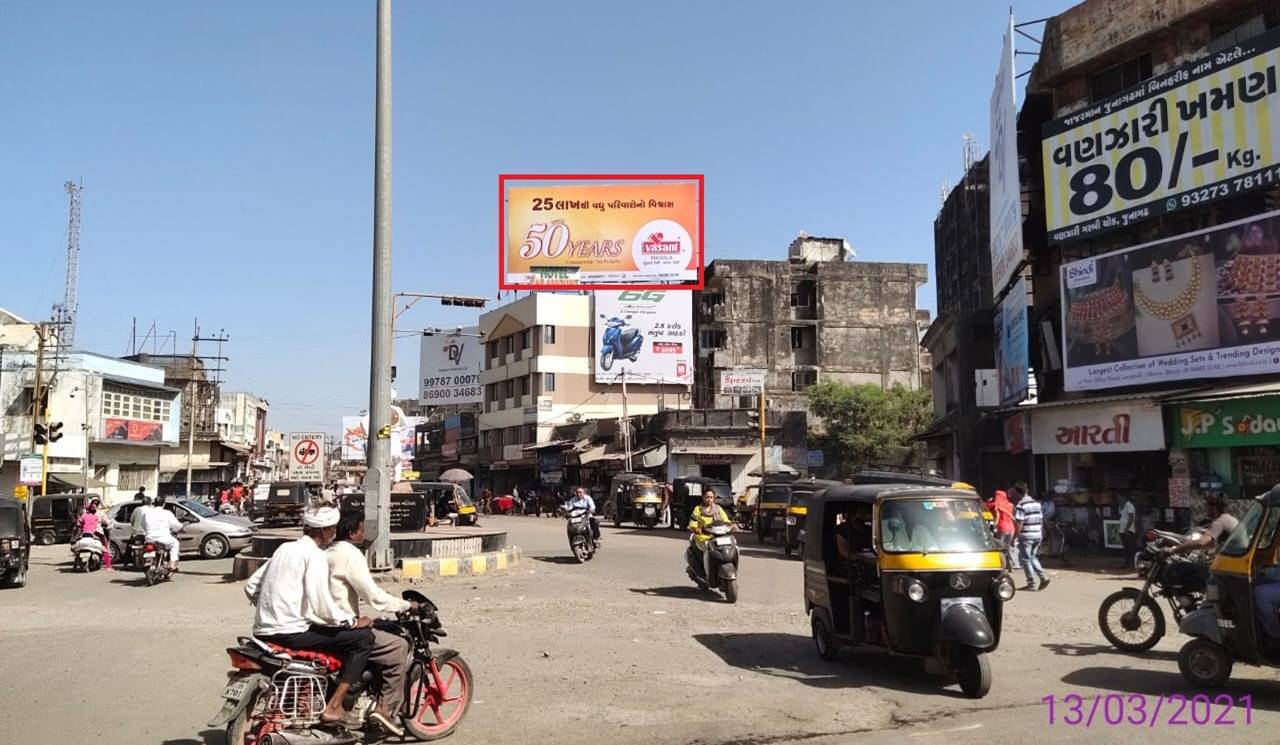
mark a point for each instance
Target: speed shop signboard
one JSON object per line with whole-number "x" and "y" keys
{"x": 1195, "y": 134}
{"x": 306, "y": 456}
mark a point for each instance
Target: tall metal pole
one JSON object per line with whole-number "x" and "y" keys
{"x": 626, "y": 422}
{"x": 763, "y": 463}
{"x": 377, "y": 486}
{"x": 191, "y": 404}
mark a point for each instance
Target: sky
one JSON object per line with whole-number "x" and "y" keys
{"x": 226, "y": 151}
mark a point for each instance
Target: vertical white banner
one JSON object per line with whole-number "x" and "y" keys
{"x": 1006, "y": 193}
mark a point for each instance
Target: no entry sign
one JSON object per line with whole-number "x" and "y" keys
{"x": 306, "y": 456}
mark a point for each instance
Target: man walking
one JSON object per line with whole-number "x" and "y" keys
{"x": 1003, "y": 512}
{"x": 1029, "y": 519}
{"x": 1128, "y": 532}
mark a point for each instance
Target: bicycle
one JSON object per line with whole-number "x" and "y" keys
{"x": 1057, "y": 542}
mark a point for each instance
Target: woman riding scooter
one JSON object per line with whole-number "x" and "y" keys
{"x": 94, "y": 524}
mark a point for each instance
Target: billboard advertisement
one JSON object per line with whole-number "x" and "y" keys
{"x": 1194, "y": 134}
{"x": 640, "y": 231}
{"x": 1012, "y": 351}
{"x": 450, "y": 368}
{"x": 354, "y": 436}
{"x": 131, "y": 430}
{"x": 744, "y": 382}
{"x": 646, "y": 334}
{"x": 1006, "y": 194}
{"x": 1200, "y": 305}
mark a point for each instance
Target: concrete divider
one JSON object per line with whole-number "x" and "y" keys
{"x": 411, "y": 570}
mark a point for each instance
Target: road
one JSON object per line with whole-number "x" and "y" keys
{"x": 620, "y": 650}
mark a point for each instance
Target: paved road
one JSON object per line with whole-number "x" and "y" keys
{"x": 621, "y": 650}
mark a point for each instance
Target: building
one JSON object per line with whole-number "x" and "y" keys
{"x": 817, "y": 316}
{"x": 538, "y": 372}
{"x": 242, "y": 426}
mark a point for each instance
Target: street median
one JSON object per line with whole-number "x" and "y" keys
{"x": 444, "y": 567}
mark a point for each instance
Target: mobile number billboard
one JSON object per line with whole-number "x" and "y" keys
{"x": 450, "y": 368}
{"x": 646, "y": 334}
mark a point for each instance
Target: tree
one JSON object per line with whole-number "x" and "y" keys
{"x": 866, "y": 423}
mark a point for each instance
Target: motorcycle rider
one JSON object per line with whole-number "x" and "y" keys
{"x": 579, "y": 500}
{"x": 295, "y": 607}
{"x": 703, "y": 516}
{"x": 1196, "y": 574}
{"x": 157, "y": 525}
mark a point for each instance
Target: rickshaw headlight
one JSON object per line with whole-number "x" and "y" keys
{"x": 915, "y": 591}
{"x": 1004, "y": 587}
{"x": 791, "y": 519}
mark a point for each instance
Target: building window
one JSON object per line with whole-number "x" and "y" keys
{"x": 506, "y": 345}
{"x": 524, "y": 385}
{"x": 1233, "y": 30}
{"x": 524, "y": 339}
{"x": 129, "y": 406}
{"x": 491, "y": 393}
{"x": 1120, "y": 77}
{"x": 492, "y": 348}
{"x": 549, "y": 381}
{"x": 509, "y": 388}
{"x": 802, "y": 295}
{"x": 712, "y": 339}
{"x": 549, "y": 334}
{"x": 711, "y": 299}
{"x": 531, "y": 434}
{"x": 801, "y": 379}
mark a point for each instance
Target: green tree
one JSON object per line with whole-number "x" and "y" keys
{"x": 865, "y": 423}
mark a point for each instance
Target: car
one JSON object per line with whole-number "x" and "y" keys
{"x": 206, "y": 532}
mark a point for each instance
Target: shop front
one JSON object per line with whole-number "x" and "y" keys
{"x": 1229, "y": 443}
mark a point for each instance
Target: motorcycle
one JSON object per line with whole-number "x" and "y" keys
{"x": 152, "y": 557}
{"x": 620, "y": 341}
{"x": 581, "y": 539}
{"x": 275, "y": 695}
{"x": 1131, "y": 618}
{"x": 87, "y": 552}
{"x": 716, "y": 565}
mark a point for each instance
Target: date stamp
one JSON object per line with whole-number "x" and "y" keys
{"x": 1141, "y": 710}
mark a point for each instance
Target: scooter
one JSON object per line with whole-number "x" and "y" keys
{"x": 620, "y": 341}
{"x": 88, "y": 553}
{"x": 581, "y": 539}
{"x": 716, "y": 565}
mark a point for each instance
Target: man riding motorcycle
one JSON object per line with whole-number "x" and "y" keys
{"x": 580, "y": 500}
{"x": 703, "y": 516}
{"x": 157, "y": 525}
{"x": 1195, "y": 574}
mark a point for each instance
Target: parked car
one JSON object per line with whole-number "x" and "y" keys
{"x": 207, "y": 532}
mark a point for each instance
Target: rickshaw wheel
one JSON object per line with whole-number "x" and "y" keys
{"x": 822, "y": 639}
{"x": 47, "y": 537}
{"x": 1204, "y": 664}
{"x": 973, "y": 672}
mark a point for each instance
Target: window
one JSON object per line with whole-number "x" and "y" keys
{"x": 524, "y": 339}
{"x": 506, "y": 345}
{"x": 524, "y": 385}
{"x": 712, "y": 339}
{"x": 1120, "y": 77}
{"x": 711, "y": 299}
{"x": 1229, "y": 32}
{"x": 129, "y": 406}
{"x": 799, "y": 339}
{"x": 549, "y": 380}
{"x": 491, "y": 392}
{"x": 509, "y": 388}
{"x": 531, "y": 434}
{"x": 492, "y": 348}
{"x": 801, "y": 379}
{"x": 549, "y": 334}
{"x": 802, "y": 295}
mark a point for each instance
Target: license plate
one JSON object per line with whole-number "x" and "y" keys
{"x": 723, "y": 540}
{"x": 948, "y": 602}
{"x": 235, "y": 690}
{"x": 649, "y": 511}
{"x": 149, "y": 555}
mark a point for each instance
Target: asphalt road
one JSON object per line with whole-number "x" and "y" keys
{"x": 620, "y": 650}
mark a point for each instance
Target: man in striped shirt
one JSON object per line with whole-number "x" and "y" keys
{"x": 1029, "y": 520}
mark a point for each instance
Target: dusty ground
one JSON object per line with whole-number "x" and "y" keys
{"x": 621, "y": 650}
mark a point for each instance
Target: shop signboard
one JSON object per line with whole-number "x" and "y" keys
{"x": 1006, "y": 193}
{"x": 513, "y": 452}
{"x": 449, "y": 368}
{"x": 1015, "y": 433}
{"x": 552, "y": 477}
{"x": 641, "y": 231}
{"x": 550, "y": 461}
{"x": 1012, "y": 353}
{"x": 1228, "y": 423}
{"x": 742, "y": 382}
{"x": 815, "y": 458}
{"x": 646, "y": 335}
{"x": 1133, "y": 426}
{"x": 31, "y": 470}
{"x": 1191, "y": 135}
{"x": 1200, "y": 305}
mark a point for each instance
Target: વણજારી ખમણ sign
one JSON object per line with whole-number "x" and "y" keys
{"x": 637, "y": 231}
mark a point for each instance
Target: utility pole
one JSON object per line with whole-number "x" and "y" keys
{"x": 377, "y": 485}
{"x": 763, "y": 463}
{"x": 195, "y": 394}
{"x": 626, "y": 421}
{"x": 38, "y": 410}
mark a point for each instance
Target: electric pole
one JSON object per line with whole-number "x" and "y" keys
{"x": 377, "y": 485}
{"x": 196, "y": 394}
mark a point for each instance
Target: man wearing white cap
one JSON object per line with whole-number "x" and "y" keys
{"x": 296, "y": 609}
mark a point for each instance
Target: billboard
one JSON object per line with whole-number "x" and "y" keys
{"x": 1192, "y": 135}
{"x": 131, "y": 430}
{"x": 1012, "y": 352}
{"x": 1200, "y": 305}
{"x": 355, "y": 434}
{"x": 745, "y": 382}
{"x": 648, "y": 334}
{"x": 450, "y": 368}
{"x": 639, "y": 231}
{"x": 1006, "y": 193}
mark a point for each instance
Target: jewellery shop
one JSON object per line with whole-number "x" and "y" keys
{"x": 1092, "y": 455}
{"x": 1225, "y": 441}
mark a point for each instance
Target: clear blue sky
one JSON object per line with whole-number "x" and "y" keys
{"x": 226, "y": 150}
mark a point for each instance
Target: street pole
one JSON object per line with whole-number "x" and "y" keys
{"x": 84, "y": 465}
{"x": 191, "y": 403}
{"x": 763, "y": 462}
{"x": 626, "y": 421}
{"x": 376, "y": 484}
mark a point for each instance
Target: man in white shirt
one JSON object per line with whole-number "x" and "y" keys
{"x": 351, "y": 583}
{"x": 157, "y": 525}
{"x": 295, "y": 609}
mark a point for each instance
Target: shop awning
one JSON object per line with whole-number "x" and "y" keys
{"x": 549, "y": 445}
{"x": 235, "y": 446}
{"x": 1154, "y": 396}
{"x": 1239, "y": 391}
{"x": 714, "y": 450}
{"x": 76, "y": 481}
{"x": 600, "y": 453}
{"x": 655, "y": 457}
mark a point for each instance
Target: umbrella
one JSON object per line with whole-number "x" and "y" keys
{"x": 456, "y": 474}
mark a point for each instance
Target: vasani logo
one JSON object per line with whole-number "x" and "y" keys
{"x": 656, "y": 244}
{"x": 1083, "y": 274}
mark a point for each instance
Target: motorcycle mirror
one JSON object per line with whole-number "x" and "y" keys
{"x": 414, "y": 596}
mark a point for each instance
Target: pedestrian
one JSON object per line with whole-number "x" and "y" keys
{"x": 1002, "y": 509}
{"x": 1128, "y": 532}
{"x": 1028, "y": 520}
{"x": 237, "y": 497}
{"x": 486, "y": 499}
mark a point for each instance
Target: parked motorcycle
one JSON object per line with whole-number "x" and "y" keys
{"x": 716, "y": 566}
{"x": 87, "y": 552}
{"x": 1131, "y": 618}
{"x": 620, "y": 341}
{"x": 581, "y": 540}
{"x": 275, "y": 695}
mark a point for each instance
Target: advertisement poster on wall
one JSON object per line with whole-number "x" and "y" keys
{"x": 1200, "y": 305}
{"x": 354, "y": 437}
{"x": 636, "y": 230}
{"x": 131, "y": 430}
{"x": 1012, "y": 351}
{"x": 1195, "y": 134}
{"x": 449, "y": 368}
{"x": 648, "y": 334}
{"x": 1006, "y": 193}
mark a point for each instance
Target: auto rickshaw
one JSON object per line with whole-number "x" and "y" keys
{"x": 802, "y": 490}
{"x": 53, "y": 517}
{"x": 878, "y": 474}
{"x": 286, "y": 500}
{"x": 637, "y": 499}
{"x": 686, "y": 493}
{"x": 449, "y": 500}
{"x": 771, "y": 507}
{"x": 15, "y": 543}
{"x": 909, "y": 569}
{"x": 1225, "y": 629}
{"x": 746, "y": 507}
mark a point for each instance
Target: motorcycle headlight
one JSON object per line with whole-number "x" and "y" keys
{"x": 791, "y": 520}
{"x": 1004, "y": 587}
{"x": 916, "y": 591}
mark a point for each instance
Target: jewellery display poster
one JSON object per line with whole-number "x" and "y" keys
{"x": 1200, "y": 305}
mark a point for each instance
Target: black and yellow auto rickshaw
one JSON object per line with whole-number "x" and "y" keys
{"x": 802, "y": 490}
{"x": 286, "y": 500}
{"x": 1226, "y": 629}
{"x": 53, "y": 517}
{"x": 449, "y": 501}
{"x": 636, "y": 498}
{"x": 15, "y": 543}
{"x": 686, "y": 493}
{"x": 771, "y": 505}
{"x": 910, "y": 569}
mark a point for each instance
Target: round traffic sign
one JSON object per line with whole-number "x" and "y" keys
{"x": 306, "y": 452}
